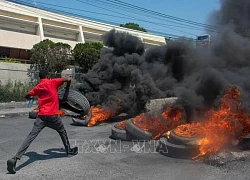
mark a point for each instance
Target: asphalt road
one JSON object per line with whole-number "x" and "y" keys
{"x": 45, "y": 158}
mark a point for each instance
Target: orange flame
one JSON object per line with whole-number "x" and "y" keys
{"x": 222, "y": 126}
{"x": 99, "y": 115}
{"x": 225, "y": 124}
{"x": 121, "y": 125}
{"x": 168, "y": 134}
{"x": 159, "y": 124}
{"x": 61, "y": 113}
{"x": 190, "y": 130}
{"x": 172, "y": 113}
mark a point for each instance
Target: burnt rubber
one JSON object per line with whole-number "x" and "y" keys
{"x": 82, "y": 121}
{"x": 137, "y": 132}
{"x": 120, "y": 134}
{"x": 176, "y": 151}
{"x": 33, "y": 114}
{"x": 176, "y": 139}
{"x": 77, "y": 101}
{"x": 244, "y": 143}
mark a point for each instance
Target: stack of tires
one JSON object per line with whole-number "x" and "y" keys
{"x": 130, "y": 131}
{"x": 76, "y": 104}
{"x": 118, "y": 132}
{"x": 176, "y": 146}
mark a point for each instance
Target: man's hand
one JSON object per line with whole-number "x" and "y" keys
{"x": 29, "y": 97}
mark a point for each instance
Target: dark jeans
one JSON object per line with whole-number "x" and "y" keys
{"x": 41, "y": 122}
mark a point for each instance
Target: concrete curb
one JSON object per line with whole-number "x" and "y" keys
{"x": 17, "y": 104}
{"x": 15, "y": 112}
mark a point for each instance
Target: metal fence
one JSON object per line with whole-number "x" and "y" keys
{"x": 14, "y": 84}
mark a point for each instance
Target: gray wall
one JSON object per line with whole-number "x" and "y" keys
{"x": 13, "y": 72}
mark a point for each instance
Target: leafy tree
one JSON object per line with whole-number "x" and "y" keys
{"x": 167, "y": 39}
{"x": 87, "y": 54}
{"x": 133, "y": 26}
{"x": 55, "y": 57}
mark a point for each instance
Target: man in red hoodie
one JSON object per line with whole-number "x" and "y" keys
{"x": 47, "y": 92}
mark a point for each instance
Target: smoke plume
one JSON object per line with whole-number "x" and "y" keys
{"x": 126, "y": 76}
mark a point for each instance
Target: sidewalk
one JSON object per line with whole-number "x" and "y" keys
{"x": 12, "y": 109}
{"x": 14, "y": 112}
{"x": 14, "y": 104}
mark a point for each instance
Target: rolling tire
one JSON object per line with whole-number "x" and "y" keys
{"x": 175, "y": 150}
{"x": 33, "y": 114}
{"x": 120, "y": 134}
{"x": 137, "y": 132}
{"x": 180, "y": 140}
{"x": 77, "y": 98}
{"x": 82, "y": 122}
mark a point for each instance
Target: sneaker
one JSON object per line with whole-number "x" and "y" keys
{"x": 73, "y": 151}
{"x": 11, "y": 165}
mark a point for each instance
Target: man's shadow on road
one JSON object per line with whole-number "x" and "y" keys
{"x": 49, "y": 154}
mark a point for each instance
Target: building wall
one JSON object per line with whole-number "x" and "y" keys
{"x": 71, "y": 43}
{"x": 24, "y": 26}
{"x": 18, "y": 40}
{"x": 13, "y": 72}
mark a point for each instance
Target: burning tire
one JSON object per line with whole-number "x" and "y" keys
{"x": 137, "y": 132}
{"x": 118, "y": 132}
{"x": 181, "y": 140}
{"x": 76, "y": 101}
{"x": 183, "y": 137}
{"x": 82, "y": 121}
{"x": 176, "y": 150}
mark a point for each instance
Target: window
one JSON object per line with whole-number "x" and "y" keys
{"x": 13, "y": 53}
{"x": 4, "y": 52}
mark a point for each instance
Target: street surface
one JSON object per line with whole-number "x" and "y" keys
{"x": 99, "y": 157}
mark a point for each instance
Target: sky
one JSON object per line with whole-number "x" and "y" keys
{"x": 108, "y": 12}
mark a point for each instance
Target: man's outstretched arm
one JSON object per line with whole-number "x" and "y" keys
{"x": 31, "y": 94}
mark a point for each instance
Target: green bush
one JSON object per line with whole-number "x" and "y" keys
{"x": 86, "y": 55}
{"x": 13, "y": 91}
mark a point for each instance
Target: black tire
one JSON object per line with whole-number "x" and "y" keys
{"x": 33, "y": 115}
{"x": 244, "y": 142}
{"x": 76, "y": 100}
{"x": 175, "y": 150}
{"x": 137, "y": 132}
{"x": 67, "y": 112}
{"x": 82, "y": 122}
{"x": 120, "y": 134}
{"x": 176, "y": 139}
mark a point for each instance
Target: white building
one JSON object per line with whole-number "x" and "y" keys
{"x": 22, "y": 26}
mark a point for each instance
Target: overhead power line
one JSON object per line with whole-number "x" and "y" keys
{"x": 169, "y": 26}
{"x": 74, "y": 14}
{"x": 137, "y": 8}
{"x": 139, "y": 13}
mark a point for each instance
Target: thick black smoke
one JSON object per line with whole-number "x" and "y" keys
{"x": 126, "y": 76}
